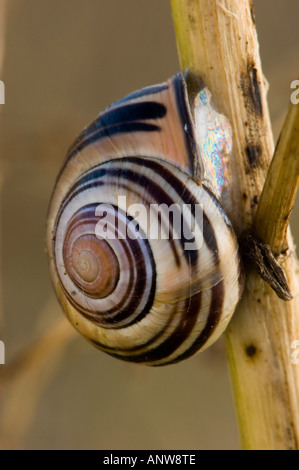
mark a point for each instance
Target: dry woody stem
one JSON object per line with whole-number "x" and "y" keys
{"x": 217, "y": 40}
{"x": 23, "y": 381}
{"x": 278, "y": 196}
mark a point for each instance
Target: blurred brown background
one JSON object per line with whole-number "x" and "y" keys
{"x": 64, "y": 62}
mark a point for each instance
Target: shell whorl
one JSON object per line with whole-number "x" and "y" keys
{"x": 143, "y": 257}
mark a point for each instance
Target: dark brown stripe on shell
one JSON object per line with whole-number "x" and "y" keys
{"x": 151, "y": 341}
{"x": 117, "y": 118}
{"x": 150, "y": 90}
{"x": 187, "y": 198}
{"x": 212, "y": 321}
{"x": 109, "y": 318}
{"x": 114, "y": 129}
{"x": 91, "y": 179}
{"x": 174, "y": 341}
{"x": 187, "y": 123}
{"x": 83, "y": 187}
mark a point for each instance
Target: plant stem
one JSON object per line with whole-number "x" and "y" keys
{"x": 279, "y": 193}
{"x": 23, "y": 381}
{"x": 217, "y": 40}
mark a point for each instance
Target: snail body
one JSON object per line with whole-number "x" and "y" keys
{"x": 143, "y": 258}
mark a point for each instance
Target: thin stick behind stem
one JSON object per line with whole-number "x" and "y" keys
{"x": 279, "y": 192}
{"x": 23, "y": 381}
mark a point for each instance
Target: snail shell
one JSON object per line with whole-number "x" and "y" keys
{"x": 142, "y": 255}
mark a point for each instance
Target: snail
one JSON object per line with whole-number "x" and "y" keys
{"x": 142, "y": 255}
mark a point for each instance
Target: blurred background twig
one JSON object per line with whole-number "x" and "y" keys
{"x": 23, "y": 381}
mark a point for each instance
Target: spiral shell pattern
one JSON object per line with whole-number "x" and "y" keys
{"x": 143, "y": 257}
